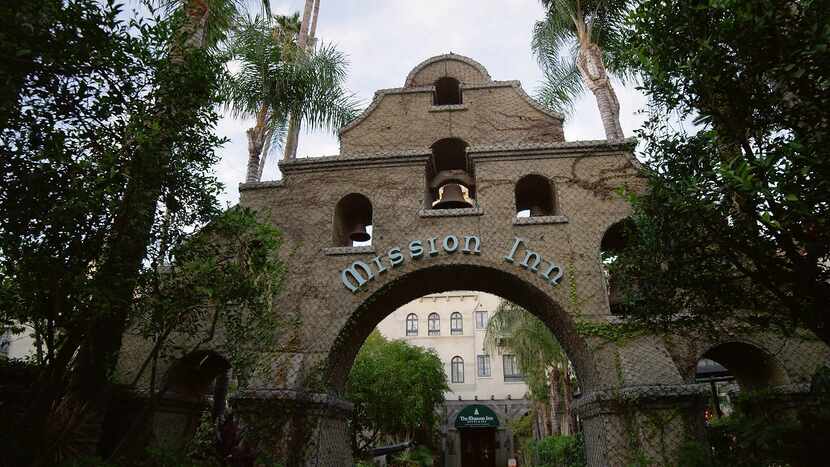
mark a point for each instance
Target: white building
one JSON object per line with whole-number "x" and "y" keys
{"x": 17, "y": 346}
{"x": 454, "y": 325}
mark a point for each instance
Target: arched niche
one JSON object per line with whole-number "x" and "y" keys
{"x": 613, "y": 242}
{"x": 447, "y": 91}
{"x": 751, "y": 366}
{"x": 535, "y": 194}
{"x": 449, "y": 166}
{"x": 352, "y": 215}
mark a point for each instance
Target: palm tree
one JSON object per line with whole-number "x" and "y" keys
{"x": 278, "y": 78}
{"x": 541, "y": 358}
{"x": 575, "y": 45}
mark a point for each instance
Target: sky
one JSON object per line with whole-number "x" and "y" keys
{"x": 385, "y": 39}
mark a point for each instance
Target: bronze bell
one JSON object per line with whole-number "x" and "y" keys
{"x": 452, "y": 198}
{"x": 359, "y": 234}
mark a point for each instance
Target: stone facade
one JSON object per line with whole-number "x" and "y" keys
{"x": 626, "y": 383}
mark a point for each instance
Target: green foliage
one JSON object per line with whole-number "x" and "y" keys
{"x": 538, "y": 352}
{"x": 107, "y": 156}
{"x": 735, "y": 224}
{"x": 397, "y": 389}
{"x": 559, "y": 451}
{"x": 418, "y": 457}
{"x": 556, "y": 44}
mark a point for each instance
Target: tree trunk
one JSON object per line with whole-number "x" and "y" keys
{"x": 313, "y": 32}
{"x": 255, "y": 144}
{"x": 292, "y": 140}
{"x": 294, "y": 121}
{"x": 567, "y": 405}
{"x": 553, "y": 394}
{"x": 130, "y": 234}
{"x": 592, "y": 69}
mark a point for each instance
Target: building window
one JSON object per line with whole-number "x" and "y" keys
{"x": 456, "y": 324}
{"x": 457, "y": 370}
{"x": 434, "y": 322}
{"x": 484, "y": 366}
{"x": 481, "y": 319}
{"x": 512, "y": 372}
{"x": 411, "y": 324}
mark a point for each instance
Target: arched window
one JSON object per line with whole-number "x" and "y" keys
{"x": 535, "y": 196}
{"x": 456, "y": 324}
{"x": 434, "y": 322}
{"x": 457, "y": 370}
{"x": 447, "y": 92}
{"x": 614, "y": 242}
{"x": 352, "y": 220}
{"x": 412, "y": 324}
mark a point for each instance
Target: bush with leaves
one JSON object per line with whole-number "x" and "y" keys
{"x": 559, "y": 451}
{"x": 735, "y": 224}
{"x": 397, "y": 389}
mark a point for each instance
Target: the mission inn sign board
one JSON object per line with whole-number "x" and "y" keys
{"x": 361, "y": 272}
{"x": 476, "y": 416}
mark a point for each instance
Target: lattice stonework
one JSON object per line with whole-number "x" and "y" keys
{"x": 638, "y": 396}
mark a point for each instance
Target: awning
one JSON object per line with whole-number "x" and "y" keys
{"x": 476, "y": 416}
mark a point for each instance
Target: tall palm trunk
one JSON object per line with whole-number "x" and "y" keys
{"x": 593, "y": 72}
{"x": 294, "y": 120}
{"x": 256, "y": 142}
{"x": 555, "y": 400}
{"x": 569, "y": 426}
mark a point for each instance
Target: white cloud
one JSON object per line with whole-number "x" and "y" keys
{"x": 385, "y": 39}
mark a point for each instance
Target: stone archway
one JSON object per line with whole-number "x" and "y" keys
{"x": 335, "y": 291}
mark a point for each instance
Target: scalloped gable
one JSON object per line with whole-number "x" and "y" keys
{"x": 492, "y": 112}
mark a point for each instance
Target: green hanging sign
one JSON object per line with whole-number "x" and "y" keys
{"x": 476, "y": 416}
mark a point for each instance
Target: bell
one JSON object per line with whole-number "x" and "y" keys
{"x": 452, "y": 198}
{"x": 359, "y": 234}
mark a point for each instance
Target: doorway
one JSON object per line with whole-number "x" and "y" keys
{"x": 478, "y": 447}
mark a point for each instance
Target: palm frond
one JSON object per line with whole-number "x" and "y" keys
{"x": 561, "y": 85}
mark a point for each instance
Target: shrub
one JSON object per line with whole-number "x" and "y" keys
{"x": 560, "y": 451}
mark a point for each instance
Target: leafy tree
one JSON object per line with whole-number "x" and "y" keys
{"x": 106, "y": 161}
{"x": 577, "y": 44}
{"x": 734, "y": 228}
{"x": 276, "y": 78}
{"x": 539, "y": 355}
{"x": 397, "y": 389}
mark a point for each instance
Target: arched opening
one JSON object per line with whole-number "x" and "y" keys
{"x": 447, "y": 92}
{"x": 736, "y": 366}
{"x": 535, "y": 196}
{"x": 353, "y": 221}
{"x": 613, "y": 243}
{"x": 450, "y": 176}
{"x": 479, "y": 376}
{"x": 197, "y": 383}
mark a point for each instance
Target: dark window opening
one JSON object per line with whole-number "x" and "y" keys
{"x": 353, "y": 221}
{"x": 412, "y": 324}
{"x": 512, "y": 372}
{"x": 434, "y": 322}
{"x": 457, "y": 370}
{"x": 447, "y": 92}
{"x": 535, "y": 194}
{"x": 456, "y": 324}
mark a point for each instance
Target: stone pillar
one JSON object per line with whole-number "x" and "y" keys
{"x": 651, "y": 423}
{"x": 296, "y": 428}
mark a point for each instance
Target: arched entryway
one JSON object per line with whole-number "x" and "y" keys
{"x": 446, "y": 277}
